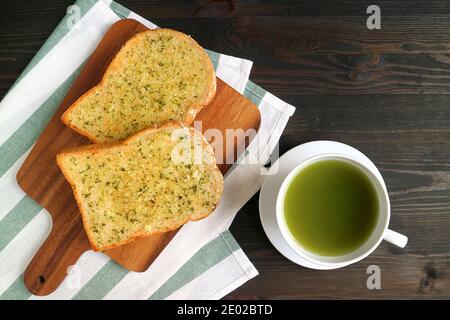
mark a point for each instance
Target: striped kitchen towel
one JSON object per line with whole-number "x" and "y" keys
{"x": 203, "y": 261}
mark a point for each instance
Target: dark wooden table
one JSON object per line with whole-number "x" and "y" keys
{"x": 385, "y": 92}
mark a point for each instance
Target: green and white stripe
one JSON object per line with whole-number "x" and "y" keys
{"x": 200, "y": 252}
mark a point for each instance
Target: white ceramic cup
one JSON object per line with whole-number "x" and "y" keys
{"x": 379, "y": 233}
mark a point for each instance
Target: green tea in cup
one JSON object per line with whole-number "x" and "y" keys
{"x": 331, "y": 207}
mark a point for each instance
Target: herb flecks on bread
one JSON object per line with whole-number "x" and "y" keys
{"x": 141, "y": 186}
{"x": 158, "y": 75}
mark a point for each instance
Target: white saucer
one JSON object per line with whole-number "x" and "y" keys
{"x": 278, "y": 171}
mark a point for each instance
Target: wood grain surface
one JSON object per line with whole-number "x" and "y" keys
{"x": 385, "y": 92}
{"x": 43, "y": 181}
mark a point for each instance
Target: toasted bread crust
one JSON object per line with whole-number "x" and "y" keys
{"x": 117, "y": 62}
{"x": 218, "y": 186}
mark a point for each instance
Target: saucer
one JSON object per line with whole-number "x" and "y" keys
{"x": 272, "y": 183}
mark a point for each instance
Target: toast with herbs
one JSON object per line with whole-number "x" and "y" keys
{"x": 154, "y": 181}
{"x": 158, "y": 75}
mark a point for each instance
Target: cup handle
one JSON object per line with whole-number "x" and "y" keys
{"x": 395, "y": 238}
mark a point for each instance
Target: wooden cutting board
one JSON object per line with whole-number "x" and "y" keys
{"x": 42, "y": 180}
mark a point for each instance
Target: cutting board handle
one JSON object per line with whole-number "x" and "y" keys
{"x": 63, "y": 247}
